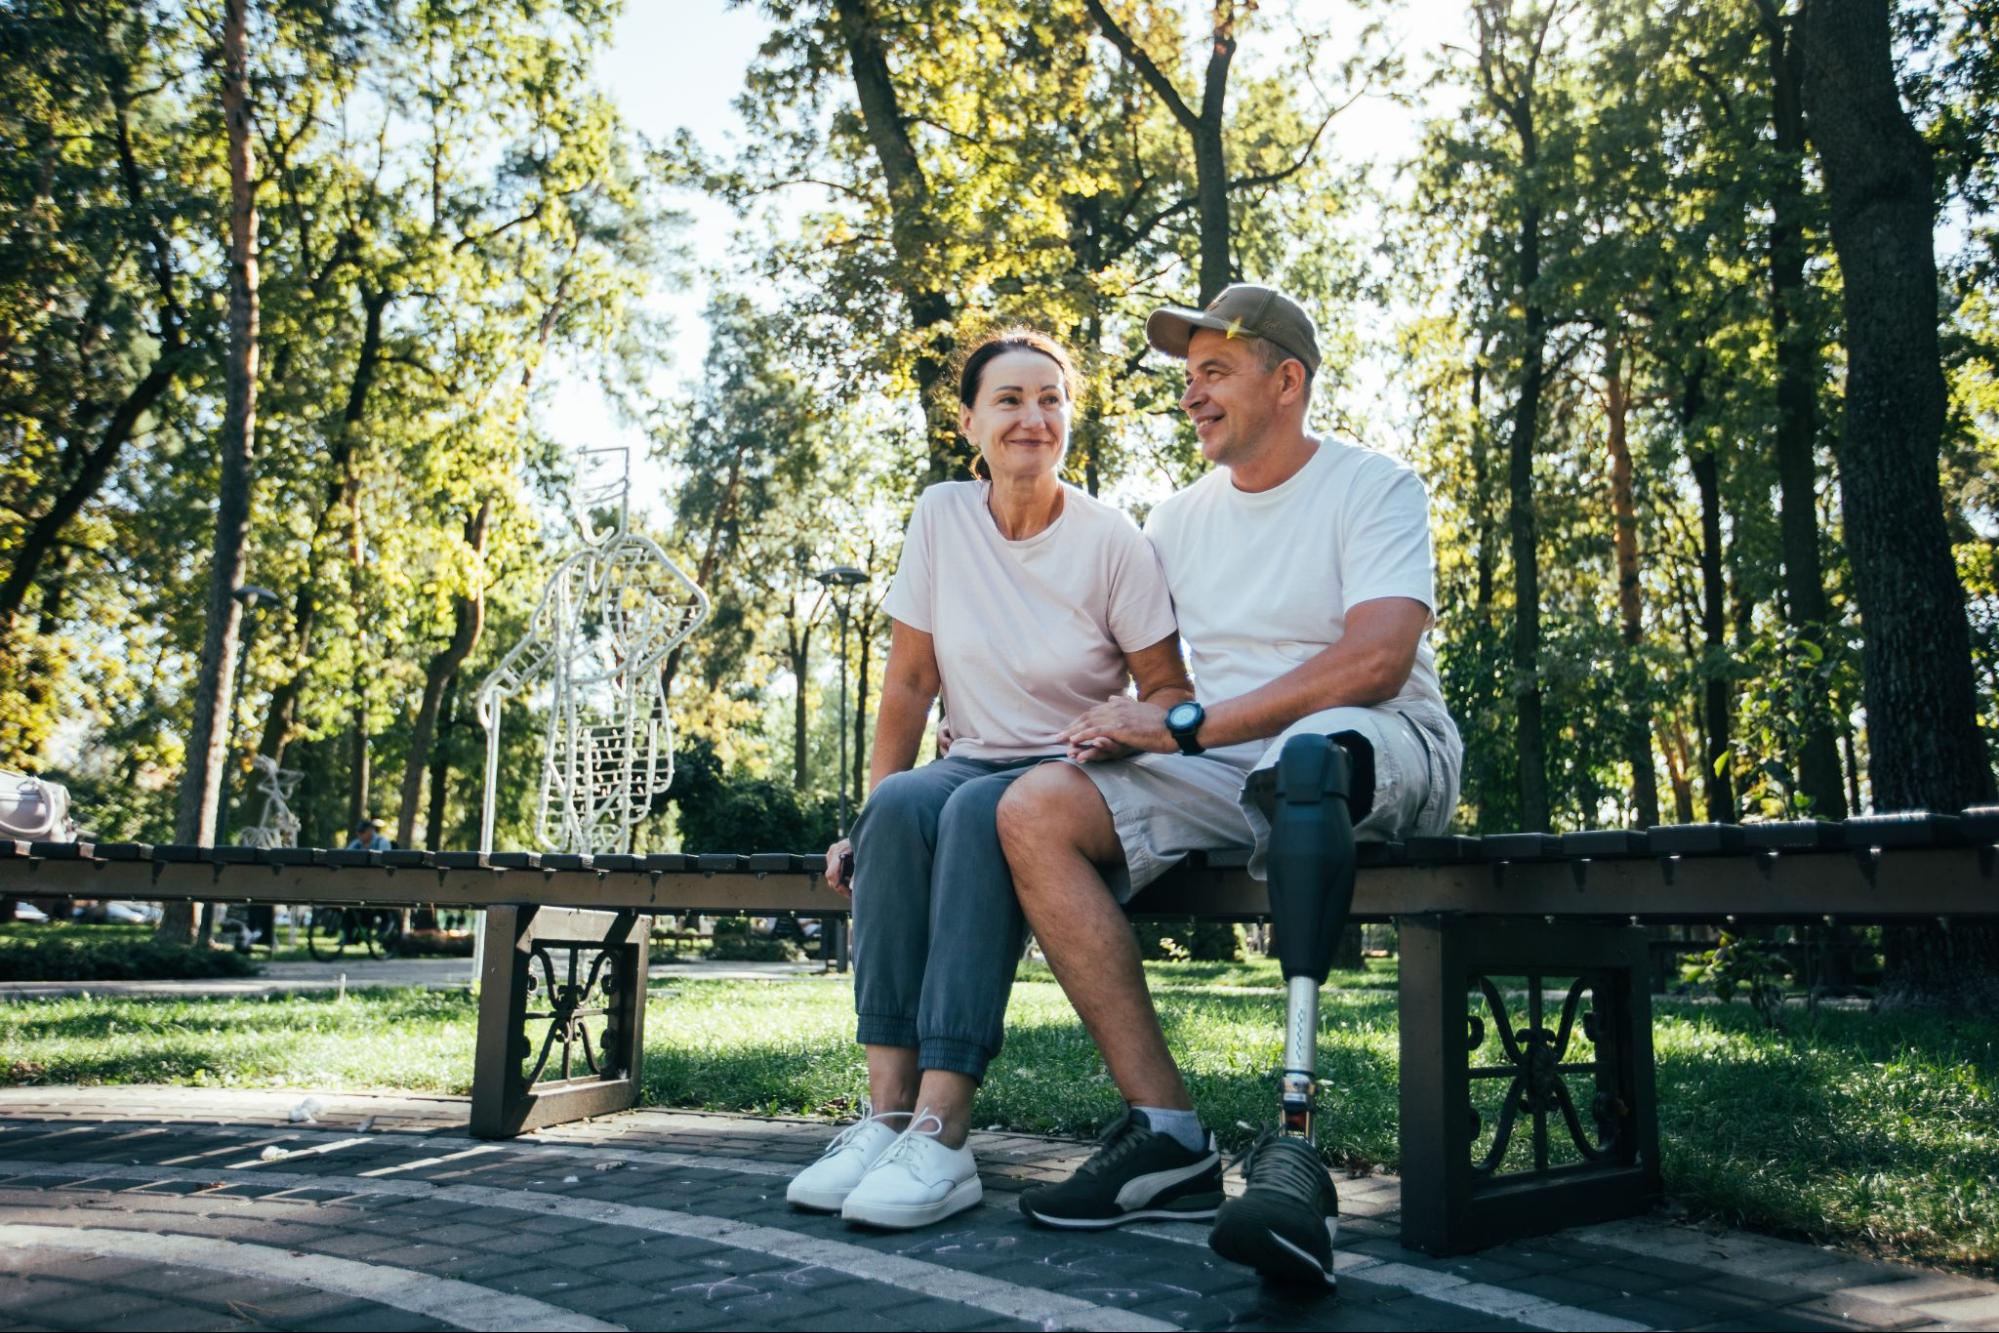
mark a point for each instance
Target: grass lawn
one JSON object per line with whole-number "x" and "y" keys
{"x": 1876, "y": 1130}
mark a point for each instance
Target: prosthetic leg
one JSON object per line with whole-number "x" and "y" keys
{"x": 1311, "y": 874}
{"x": 1284, "y": 1222}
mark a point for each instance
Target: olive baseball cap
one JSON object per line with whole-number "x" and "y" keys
{"x": 1243, "y": 309}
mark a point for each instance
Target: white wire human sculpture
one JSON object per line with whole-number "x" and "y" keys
{"x": 277, "y": 826}
{"x": 594, "y": 650}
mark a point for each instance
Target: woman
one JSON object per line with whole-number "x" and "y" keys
{"x": 1025, "y": 601}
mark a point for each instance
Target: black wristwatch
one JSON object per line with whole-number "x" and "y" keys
{"x": 1183, "y": 720}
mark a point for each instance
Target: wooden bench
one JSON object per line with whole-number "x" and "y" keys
{"x": 1489, "y": 927}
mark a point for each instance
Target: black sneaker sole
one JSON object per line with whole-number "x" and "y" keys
{"x": 1197, "y": 1208}
{"x": 1277, "y": 1259}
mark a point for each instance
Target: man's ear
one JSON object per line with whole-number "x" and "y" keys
{"x": 1295, "y": 384}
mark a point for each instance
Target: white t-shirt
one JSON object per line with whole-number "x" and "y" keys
{"x": 1031, "y": 633}
{"x": 1262, "y": 580}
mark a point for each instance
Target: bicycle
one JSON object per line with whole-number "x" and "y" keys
{"x": 332, "y": 931}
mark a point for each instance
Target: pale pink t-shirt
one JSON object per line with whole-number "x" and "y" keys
{"x": 1030, "y": 633}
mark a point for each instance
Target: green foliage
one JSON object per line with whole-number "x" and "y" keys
{"x": 1742, "y": 965}
{"x": 84, "y": 953}
{"x": 734, "y": 812}
{"x": 735, "y": 942}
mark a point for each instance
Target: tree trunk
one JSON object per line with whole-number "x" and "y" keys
{"x": 911, "y": 230}
{"x": 468, "y": 611}
{"x": 1716, "y": 729}
{"x": 1203, "y": 129}
{"x": 440, "y": 768}
{"x": 1522, "y": 527}
{"x": 1793, "y": 335}
{"x": 201, "y": 780}
{"x": 860, "y": 737}
{"x": 1922, "y": 732}
{"x": 1630, "y": 607}
{"x": 798, "y": 654}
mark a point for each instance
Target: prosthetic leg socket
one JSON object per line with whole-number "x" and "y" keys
{"x": 1311, "y": 879}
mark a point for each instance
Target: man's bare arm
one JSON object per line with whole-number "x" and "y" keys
{"x": 1369, "y": 665}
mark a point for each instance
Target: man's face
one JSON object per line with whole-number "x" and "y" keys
{"x": 1231, "y": 399}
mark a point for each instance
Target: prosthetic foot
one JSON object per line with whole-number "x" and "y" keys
{"x": 1284, "y": 1222}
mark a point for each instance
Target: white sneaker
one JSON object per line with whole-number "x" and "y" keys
{"x": 916, "y": 1182}
{"x": 824, "y": 1185}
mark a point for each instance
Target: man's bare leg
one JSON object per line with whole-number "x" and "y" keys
{"x": 1057, "y": 830}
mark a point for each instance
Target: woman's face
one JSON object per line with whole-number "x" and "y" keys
{"x": 1020, "y": 420}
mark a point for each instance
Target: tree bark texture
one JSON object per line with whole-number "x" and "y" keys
{"x": 1630, "y": 606}
{"x": 1791, "y": 332}
{"x": 440, "y": 768}
{"x": 201, "y": 780}
{"x": 1923, "y": 744}
{"x": 468, "y": 612}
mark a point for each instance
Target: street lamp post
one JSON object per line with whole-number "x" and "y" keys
{"x": 841, "y": 580}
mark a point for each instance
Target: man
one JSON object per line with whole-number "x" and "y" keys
{"x": 1301, "y": 573}
{"x": 368, "y": 837}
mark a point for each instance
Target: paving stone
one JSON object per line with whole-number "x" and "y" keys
{"x": 1981, "y": 1309}
{"x": 1922, "y": 1287}
{"x": 173, "y": 1319}
{"x": 353, "y": 1245}
{"x": 85, "y": 1308}
{"x": 1859, "y": 1313}
{"x": 377, "y": 1319}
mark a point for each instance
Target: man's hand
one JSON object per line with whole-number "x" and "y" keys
{"x": 838, "y": 853}
{"x": 1125, "y": 723}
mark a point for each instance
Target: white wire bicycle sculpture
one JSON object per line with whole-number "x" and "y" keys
{"x": 595, "y": 650}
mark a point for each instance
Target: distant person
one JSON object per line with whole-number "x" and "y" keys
{"x": 1302, "y": 578}
{"x": 1024, "y": 601}
{"x": 368, "y": 837}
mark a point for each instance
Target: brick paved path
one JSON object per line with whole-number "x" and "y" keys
{"x": 164, "y": 1208}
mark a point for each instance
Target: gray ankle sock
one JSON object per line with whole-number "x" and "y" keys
{"x": 1184, "y": 1127}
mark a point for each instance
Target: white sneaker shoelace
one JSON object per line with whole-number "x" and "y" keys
{"x": 845, "y": 1138}
{"x": 909, "y": 1150}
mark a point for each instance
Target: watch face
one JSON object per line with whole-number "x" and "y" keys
{"x": 1181, "y": 716}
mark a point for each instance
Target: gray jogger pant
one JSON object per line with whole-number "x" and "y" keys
{"x": 937, "y": 928}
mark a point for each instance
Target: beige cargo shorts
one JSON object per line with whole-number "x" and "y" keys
{"x": 1167, "y": 805}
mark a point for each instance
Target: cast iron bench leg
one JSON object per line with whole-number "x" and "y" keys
{"x": 561, "y": 1017}
{"x": 1559, "y": 1151}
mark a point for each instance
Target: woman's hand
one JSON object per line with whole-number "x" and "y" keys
{"x": 839, "y": 854}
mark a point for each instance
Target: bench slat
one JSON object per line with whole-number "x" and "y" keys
{"x": 1606, "y": 842}
{"x": 1918, "y": 828}
{"x": 1694, "y": 839}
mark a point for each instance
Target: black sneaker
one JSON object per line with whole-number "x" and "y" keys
{"x": 1136, "y": 1173}
{"x": 1284, "y": 1221}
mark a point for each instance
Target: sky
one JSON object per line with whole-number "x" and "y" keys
{"x": 679, "y": 64}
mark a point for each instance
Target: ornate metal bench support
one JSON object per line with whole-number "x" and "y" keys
{"x": 1569, "y": 1008}
{"x": 561, "y": 1017}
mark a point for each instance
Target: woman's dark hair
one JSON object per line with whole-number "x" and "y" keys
{"x": 998, "y": 343}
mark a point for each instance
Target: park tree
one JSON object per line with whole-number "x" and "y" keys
{"x": 1921, "y": 712}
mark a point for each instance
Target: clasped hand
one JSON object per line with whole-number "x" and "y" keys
{"x": 1119, "y": 726}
